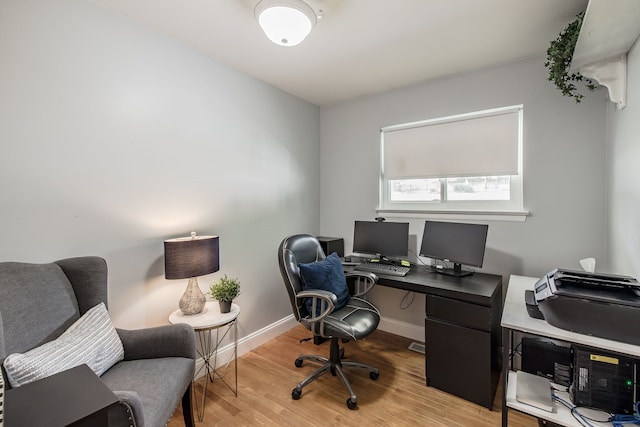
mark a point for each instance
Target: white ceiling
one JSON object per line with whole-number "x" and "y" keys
{"x": 361, "y": 47}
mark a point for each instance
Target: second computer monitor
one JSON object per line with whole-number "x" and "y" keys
{"x": 386, "y": 239}
{"x": 459, "y": 243}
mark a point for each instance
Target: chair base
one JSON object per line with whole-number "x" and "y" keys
{"x": 335, "y": 365}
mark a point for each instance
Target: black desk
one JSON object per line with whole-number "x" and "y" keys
{"x": 462, "y": 330}
{"x": 76, "y": 397}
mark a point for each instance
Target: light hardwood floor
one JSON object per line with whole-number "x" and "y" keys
{"x": 399, "y": 397}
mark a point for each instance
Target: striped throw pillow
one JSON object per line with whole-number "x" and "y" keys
{"x": 92, "y": 339}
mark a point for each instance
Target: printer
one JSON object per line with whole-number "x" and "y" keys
{"x": 601, "y": 305}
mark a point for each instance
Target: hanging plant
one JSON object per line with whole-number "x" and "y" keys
{"x": 559, "y": 56}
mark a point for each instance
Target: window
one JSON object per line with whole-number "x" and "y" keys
{"x": 467, "y": 162}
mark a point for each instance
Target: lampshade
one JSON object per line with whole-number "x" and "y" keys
{"x": 189, "y": 257}
{"x": 285, "y": 22}
{"x": 193, "y": 256}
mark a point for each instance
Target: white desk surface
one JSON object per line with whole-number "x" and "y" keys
{"x": 515, "y": 316}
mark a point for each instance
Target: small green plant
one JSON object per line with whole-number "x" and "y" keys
{"x": 225, "y": 289}
{"x": 559, "y": 56}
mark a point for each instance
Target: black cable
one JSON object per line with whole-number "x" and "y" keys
{"x": 515, "y": 351}
{"x": 405, "y": 297}
{"x": 418, "y": 258}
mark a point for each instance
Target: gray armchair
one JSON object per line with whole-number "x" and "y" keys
{"x": 38, "y": 302}
{"x": 357, "y": 319}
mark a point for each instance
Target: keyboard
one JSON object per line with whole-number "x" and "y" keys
{"x": 388, "y": 269}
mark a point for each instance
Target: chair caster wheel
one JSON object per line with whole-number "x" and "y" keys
{"x": 352, "y": 403}
{"x": 298, "y": 363}
{"x": 374, "y": 375}
{"x": 296, "y": 394}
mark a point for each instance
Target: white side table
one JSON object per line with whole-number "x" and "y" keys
{"x": 203, "y": 324}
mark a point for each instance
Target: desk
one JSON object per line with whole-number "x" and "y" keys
{"x": 516, "y": 319}
{"x": 462, "y": 330}
{"x": 76, "y": 397}
{"x": 203, "y": 324}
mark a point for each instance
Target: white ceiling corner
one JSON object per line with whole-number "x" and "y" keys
{"x": 361, "y": 47}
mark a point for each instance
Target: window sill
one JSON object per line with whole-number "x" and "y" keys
{"x": 480, "y": 215}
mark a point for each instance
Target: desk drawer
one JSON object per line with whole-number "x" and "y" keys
{"x": 458, "y": 312}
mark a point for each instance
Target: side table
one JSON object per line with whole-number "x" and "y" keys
{"x": 203, "y": 324}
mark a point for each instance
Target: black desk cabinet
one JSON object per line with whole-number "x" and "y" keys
{"x": 462, "y": 331}
{"x": 463, "y": 348}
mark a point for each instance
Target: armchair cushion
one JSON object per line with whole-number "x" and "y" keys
{"x": 92, "y": 339}
{"x": 326, "y": 275}
{"x": 154, "y": 382}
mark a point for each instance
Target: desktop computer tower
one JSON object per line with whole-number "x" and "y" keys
{"x": 546, "y": 358}
{"x": 332, "y": 244}
{"x": 604, "y": 380}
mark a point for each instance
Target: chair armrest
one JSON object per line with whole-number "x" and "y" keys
{"x": 129, "y": 410}
{"x": 363, "y": 282}
{"x": 324, "y": 299}
{"x": 161, "y": 341}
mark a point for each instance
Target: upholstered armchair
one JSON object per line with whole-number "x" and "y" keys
{"x": 39, "y": 303}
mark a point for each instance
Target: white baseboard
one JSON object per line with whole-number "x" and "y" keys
{"x": 269, "y": 332}
{"x": 404, "y": 329}
{"x": 251, "y": 341}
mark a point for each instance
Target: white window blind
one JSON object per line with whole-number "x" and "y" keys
{"x": 469, "y": 145}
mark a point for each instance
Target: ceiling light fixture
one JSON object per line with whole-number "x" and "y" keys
{"x": 285, "y": 22}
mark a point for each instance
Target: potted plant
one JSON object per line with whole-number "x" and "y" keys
{"x": 224, "y": 291}
{"x": 559, "y": 56}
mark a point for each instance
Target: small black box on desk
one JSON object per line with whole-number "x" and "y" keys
{"x": 332, "y": 244}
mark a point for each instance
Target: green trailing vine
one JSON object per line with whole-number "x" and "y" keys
{"x": 559, "y": 56}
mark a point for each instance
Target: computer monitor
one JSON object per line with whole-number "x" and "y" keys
{"x": 454, "y": 242}
{"x": 383, "y": 239}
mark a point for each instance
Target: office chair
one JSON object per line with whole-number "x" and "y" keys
{"x": 314, "y": 308}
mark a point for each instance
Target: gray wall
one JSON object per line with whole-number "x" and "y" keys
{"x": 623, "y": 174}
{"x": 564, "y": 169}
{"x": 114, "y": 137}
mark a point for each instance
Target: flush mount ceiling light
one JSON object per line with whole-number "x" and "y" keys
{"x": 285, "y": 22}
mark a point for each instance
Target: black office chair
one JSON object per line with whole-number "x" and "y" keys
{"x": 314, "y": 308}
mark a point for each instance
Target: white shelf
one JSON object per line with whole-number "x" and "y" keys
{"x": 561, "y": 415}
{"x": 609, "y": 30}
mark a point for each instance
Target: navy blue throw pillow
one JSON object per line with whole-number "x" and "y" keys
{"x": 327, "y": 275}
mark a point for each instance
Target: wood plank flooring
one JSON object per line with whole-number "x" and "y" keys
{"x": 399, "y": 397}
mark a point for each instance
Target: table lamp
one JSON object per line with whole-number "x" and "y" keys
{"x": 189, "y": 257}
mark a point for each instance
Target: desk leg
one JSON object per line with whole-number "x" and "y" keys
{"x": 507, "y": 339}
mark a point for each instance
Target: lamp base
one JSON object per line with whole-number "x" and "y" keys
{"x": 193, "y": 300}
